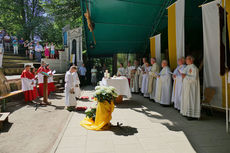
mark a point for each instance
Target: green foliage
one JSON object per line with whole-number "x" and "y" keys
{"x": 65, "y": 12}
{"x": 91, "y": 113}
{"x": 43, "y": 18}
{"x": 21, "y": 17}
{"x": 124, "y": 58}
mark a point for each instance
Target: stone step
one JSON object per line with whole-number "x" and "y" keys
{"x": 15, "y": 57}
{"x": 12, "y": 71}
{"x": 17, "y": 61}
{"x": 13, "y": 65}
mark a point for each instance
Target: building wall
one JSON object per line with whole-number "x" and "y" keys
{"x": 61, "y": 65}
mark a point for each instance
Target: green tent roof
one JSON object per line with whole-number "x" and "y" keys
{"x": 124, "y": 26}
{"x": 121, "y": 26}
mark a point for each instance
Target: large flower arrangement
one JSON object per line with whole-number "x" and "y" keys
{"x": 103, "y": 94}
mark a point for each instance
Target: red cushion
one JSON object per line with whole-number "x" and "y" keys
{"x": 81, "y": 108}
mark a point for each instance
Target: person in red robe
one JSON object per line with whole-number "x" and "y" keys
{"x": 27, "y": 84}
{"x": 51, "y": 86}
{"x": 35, "y": 91}
{"x": 40, "y": 78}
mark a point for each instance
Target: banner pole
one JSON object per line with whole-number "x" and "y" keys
{"x": 226, "y": 100}
{"x": 226, "y": 74}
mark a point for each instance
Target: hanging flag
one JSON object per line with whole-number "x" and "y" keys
{"x": 155, "y": 47}
{"x": 72, "y": 58}
{"x": 224, "y": 56}
{"x": 212, "y": 52}
{"x": 176, "y": 13}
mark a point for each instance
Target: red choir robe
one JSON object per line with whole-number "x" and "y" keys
{"x": 40, "y": 80}
{"x": 51, "y": 86}
{"x": 27, "y": 85}
{"x": 35, "y": 92}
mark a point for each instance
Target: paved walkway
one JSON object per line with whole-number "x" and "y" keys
{"x": 147, "y": 128}
{"x": 33, "y": 130}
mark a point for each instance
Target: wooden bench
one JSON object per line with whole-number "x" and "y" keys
{"x": 3, "y": 98}
{"x": 3, "y": 118}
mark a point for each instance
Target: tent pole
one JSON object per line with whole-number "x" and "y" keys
{"x": 226, "y": 74}
{"x": 226, "y": 100}
{"x": 115, "y": 64}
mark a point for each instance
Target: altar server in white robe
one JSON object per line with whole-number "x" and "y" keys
{"x": 190, "y": 102}
{"x": 144, "y": 60}
{"x": 153, "y": 78}
{"x": 145, "y": 79}
{"x": 164, "y": 85}
{"x": 135, "y": 77}
{"x": 77, "y": 85}
{"x": 70, "y": 87}
{"x": 121, "y": 70}
{"x": 177, "y": 85}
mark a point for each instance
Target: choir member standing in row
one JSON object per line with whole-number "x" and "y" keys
{"x": 51, "y": 86}
{"x": 35, "y": 91}
{"x": 164, "y": 85}
{"x": 135, "y": 77}
{"x": 190, "y": 102}
{"x": 153, "y": 78}
{"x": 27, "y": 79}
{"x": 177, "y": 85}
{"x": 40, "y": 78}
{"x": 145, "y": 79}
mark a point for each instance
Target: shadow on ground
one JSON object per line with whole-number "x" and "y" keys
{"x": 6, "y": 127}
{"x": 123, "y": 130}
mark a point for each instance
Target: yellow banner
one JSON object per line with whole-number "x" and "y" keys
{"x": 172, "y": 36}
{"x": 153, "y": 47}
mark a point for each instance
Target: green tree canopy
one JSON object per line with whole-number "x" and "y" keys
{"x": 43, "y": 18}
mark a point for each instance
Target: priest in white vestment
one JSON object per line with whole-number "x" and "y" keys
{"x": 177, "y": 85}
{"x": 70, "y": 87}
{"x": 153, "y": 78}
{"x": 144, "y": 60}
{"x": 190, "y": 102}
{"x": 145, "y": 79}
{"x": 164, "y": 85}
{"x": 121, "y": 70}
{"x": 135, "y": 77}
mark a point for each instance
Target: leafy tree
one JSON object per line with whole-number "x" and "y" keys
{"x": 43, "y": 18}
{"x": 21, "y": 17}
{"x": 65, "y": 12}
